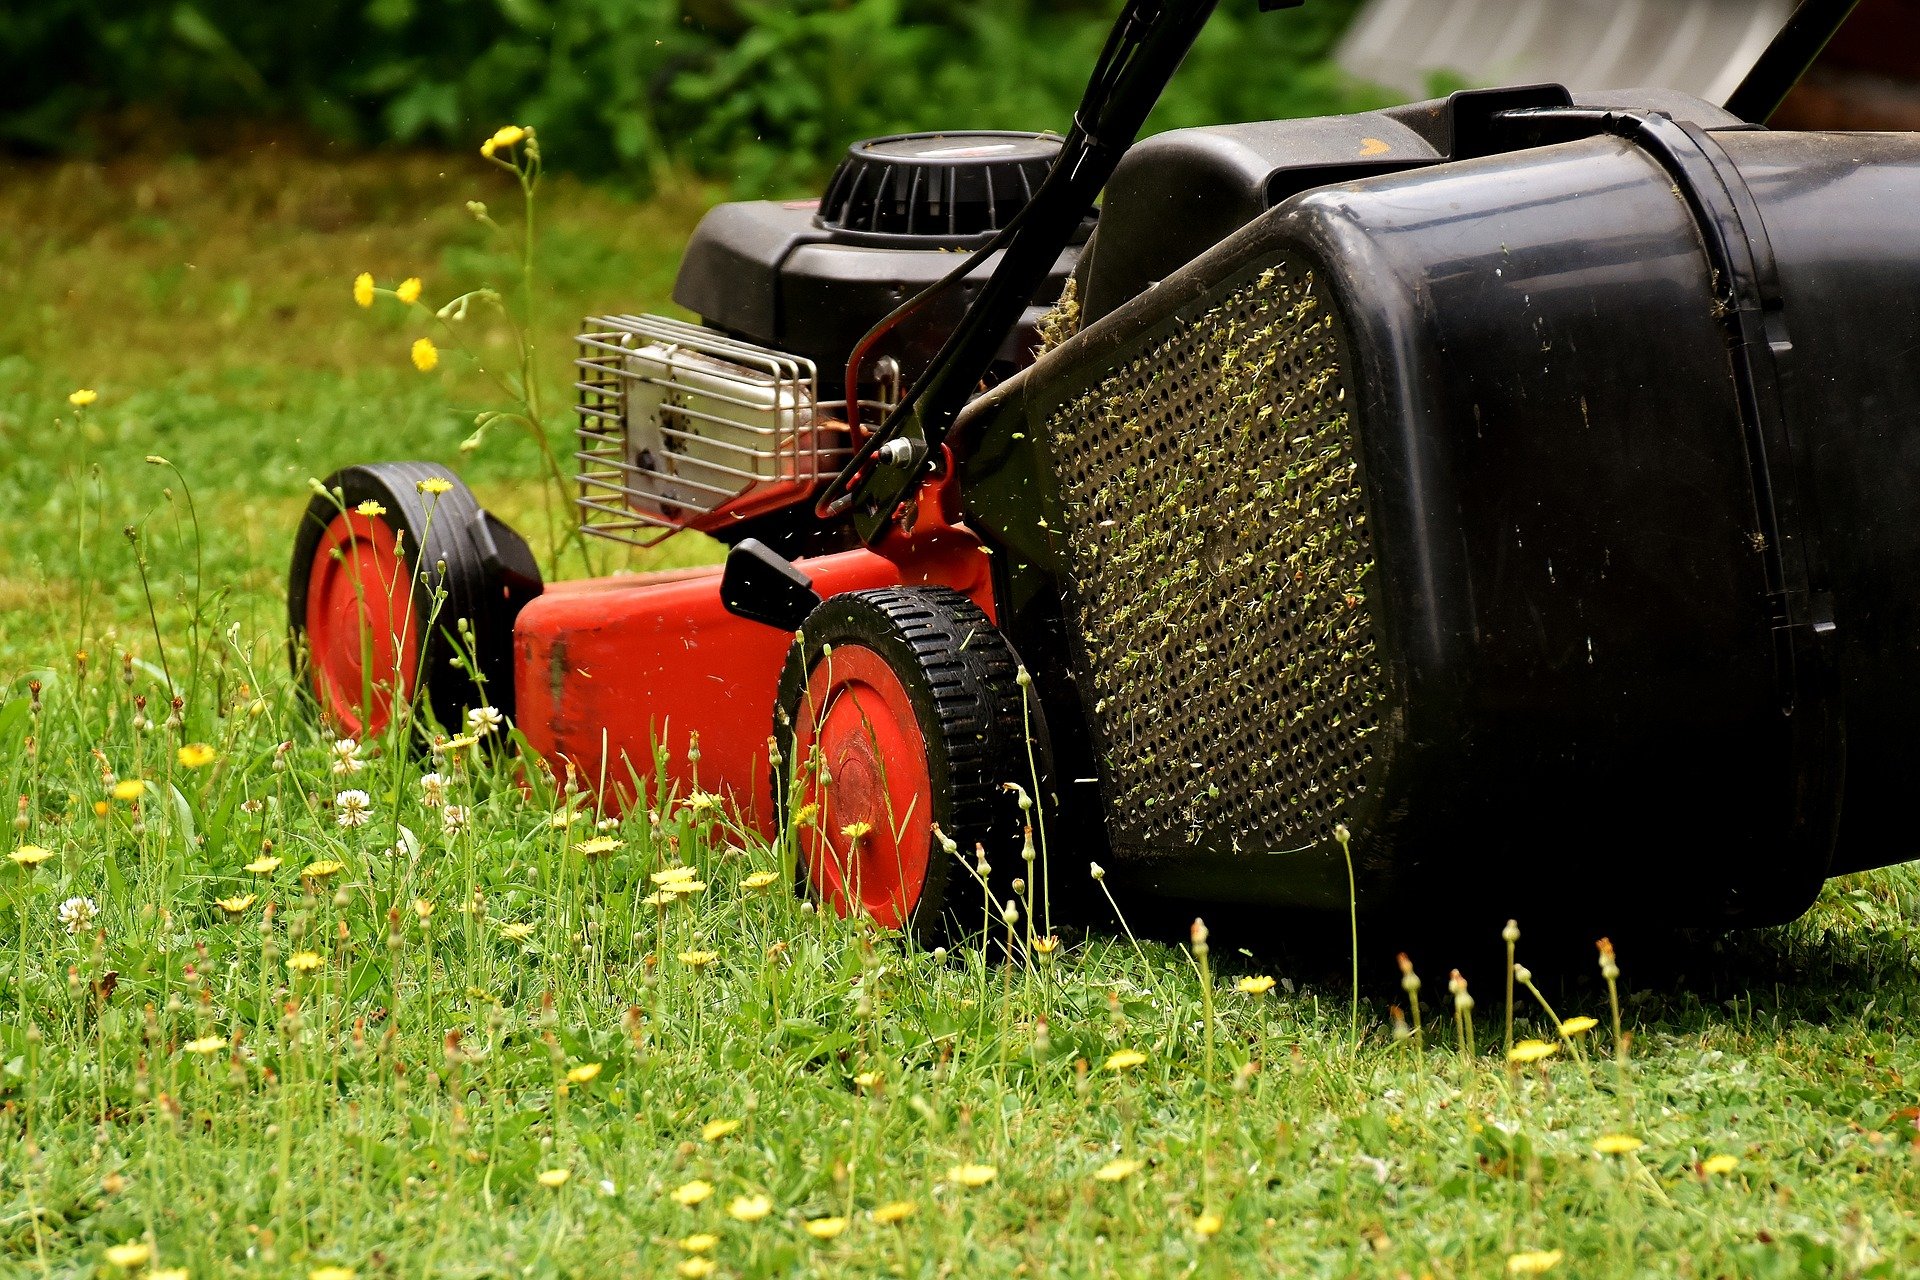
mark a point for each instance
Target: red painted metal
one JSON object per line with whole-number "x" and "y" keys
{"x": 606, "y": 668}
{"x": 363, "y": 636}
{"x": 868, "y": 788}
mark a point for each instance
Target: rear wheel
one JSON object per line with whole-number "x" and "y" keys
{"x": 900, "y": 711}
{"x": 371, "y": 631}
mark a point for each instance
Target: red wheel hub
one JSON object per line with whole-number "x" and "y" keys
{"x": 872, "y": 830}
{"x": 362, "y": 632}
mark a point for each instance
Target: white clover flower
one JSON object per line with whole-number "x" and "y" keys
{"x": 454, "y": 818}
{"x": 482, "y": 721}
{"x": 346, "y": 757}
{"x": 433, "y": 790}
{"x": 352, "y": 808}
{"x": 77, "y": 913}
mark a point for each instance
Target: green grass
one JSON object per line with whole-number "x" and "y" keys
{"x": 208, "y": 304}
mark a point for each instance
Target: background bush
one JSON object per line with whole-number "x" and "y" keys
{"x": 762, "y": 91}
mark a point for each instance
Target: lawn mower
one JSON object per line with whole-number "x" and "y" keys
{"x": 1508, "y": 499}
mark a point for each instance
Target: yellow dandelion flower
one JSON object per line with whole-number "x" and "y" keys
{"x": 1533, "y": 1262}
{"x": 197, "y": 755}
{"x": 1118, "y": 1170}
{"x": 1124, "y": 1059}
{"x": 698, "y": 959}
{"x": 868, "y": 1079}
{"x": 1617, "y": 1144}
{"x": 585, "y": 1073}
{"x": 749, "y": 1208}
{"x": 1257, "y": 985}
{"x": 83, "y": 397}
{"x": 598, "y": 847}
{"x": 1719, "y": 1164}
{"x": 205, "y": 1045}
{"x": 129, "y": 789}
{"x": 518, "y": 931}
{"x": 30, "y": 856}
{"x": 672, "y": 875}
{"x": 331, "y": 1273}
{"x": 1532, "y": 1051}
{"x": 555, "y": 1178}
{"x": 683, "y": 888}
{"x": 370, "y": 508}
{"x": 714, "y": 1130}
{"x": 423, "y": 909}
{"x": 1048, "y": 945}
{"x": 132, "y": 1254}
{"x": 264, "y": 865}
{"x": 689, "y": 1194}
{"x": 1578, "y": 1026}
{"x": 759, "y": 880}
{"x": 325, "y": 869}
{"x": 972, "y": 1175}
{"x": 825, "y": 1228}
{"x": 304, "y": 961}
{"x": 426, "y": 356}
{"x": 695, "y": 1268}
{"x": 658, "y": 898}
{"x": 505, "y": 136}
{"x": 234, "y": 906}
{"x": 408, "y": 290}
{"x": 1208, "y": 1225}
{"x": 363, "y": 288}
{"x": 434, "y": 485}
{"x": 894, "y": 1211}
{"x": 101, "y": 809}
{"x": 700, "y": 1242}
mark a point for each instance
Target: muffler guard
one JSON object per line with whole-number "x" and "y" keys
{"x": 1546, "y": 518}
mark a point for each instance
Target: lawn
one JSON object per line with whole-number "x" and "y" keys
{"x": 238, "y": 1036}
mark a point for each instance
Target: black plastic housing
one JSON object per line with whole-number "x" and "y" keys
{"x": 770, "y": 272}
{"x": 1179, "y": 193}
{"x": 1628, "y": 403}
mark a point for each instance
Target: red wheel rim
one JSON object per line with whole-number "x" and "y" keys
{"x": 363, "y": 638}
{"x": 857, "y": 714}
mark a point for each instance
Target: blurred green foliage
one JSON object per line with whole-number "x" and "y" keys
{"x": 759, "y": 90}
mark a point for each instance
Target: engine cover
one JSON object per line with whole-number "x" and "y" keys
{"x": 810, "y": 277}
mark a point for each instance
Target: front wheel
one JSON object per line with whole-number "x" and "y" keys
{"x": 901, "y": 711}
{"x": 401, "y": 585}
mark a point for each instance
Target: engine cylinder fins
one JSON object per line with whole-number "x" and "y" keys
{"x": 954, "y": 187}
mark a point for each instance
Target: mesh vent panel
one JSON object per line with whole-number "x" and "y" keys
{"x": 1219, "y": 559}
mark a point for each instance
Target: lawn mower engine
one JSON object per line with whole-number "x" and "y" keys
{"x": 1514, "y": 490}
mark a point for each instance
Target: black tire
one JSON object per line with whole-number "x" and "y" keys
{"x": 961, "y": 677}
{"x": 485, "y": 569}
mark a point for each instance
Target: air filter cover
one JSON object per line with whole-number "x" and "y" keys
{"x": 958, "y": 187}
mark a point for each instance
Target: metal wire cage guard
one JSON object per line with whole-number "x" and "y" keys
{"x": 682, "y": 427}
